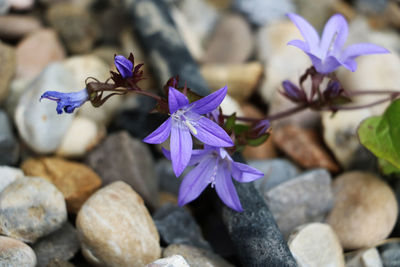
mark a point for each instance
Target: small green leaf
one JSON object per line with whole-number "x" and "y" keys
{"x": 230, "y": 122}
{"x": 240, "y": 128}
{"x": 258, "y": 141}
{"x": 387, "y": 168}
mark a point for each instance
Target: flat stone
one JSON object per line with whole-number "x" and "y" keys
{"x": 235, "y": 31}
{"x": 75, "y": 180}
{"x": 315, "y": 245}
{"x": 303, "y": 199}
{"x": 61, "y": 244}
{"x": 31, "y": 208}
{"x": 104, "y": 221}
{"x": 172, "y": 261}
{"x": 365, "y": 209}
{"x": 18, "y": 26}
{"x": 8, "y": 175}
{"x": 14, "y": 253}
{"x": 121, "y": 157}
{"x": 176, "y": 226}
{"x": 365, "y": 258}
{"x": 9, "y": 147}
{"x": 196, "y": 257}
{"x": 302, "y": 146}
{"x": 47, "y": 49}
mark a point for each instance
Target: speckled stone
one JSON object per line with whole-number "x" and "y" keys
{"x": 14, "y": 253}
{"x": 8, "y": 175}
{"x": 172, "y": 261}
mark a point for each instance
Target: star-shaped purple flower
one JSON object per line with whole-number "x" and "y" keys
{"x": 214, "y": 166}
{"x": 186, "y": 119}
{"x": 327, "y": 53}
{"x": 67, "y": 101}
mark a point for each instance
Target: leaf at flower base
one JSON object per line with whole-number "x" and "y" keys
{"x": 258, "y": 141}
{"x": 381, "y": 134}
{"x": 387, "y": 168}
{"x": 230, "y": 122}
{"x": 240, "y": 128}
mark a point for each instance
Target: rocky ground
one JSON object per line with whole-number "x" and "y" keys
{"x": 83, "y": 190}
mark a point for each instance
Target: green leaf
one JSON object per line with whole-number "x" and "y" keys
{"x": 230, "y": 122}
{"x": 381, "y": 134}
{"x": 240, "y": 128}
{"x": 258, "y": 141}
{"x": 387, "y": 168}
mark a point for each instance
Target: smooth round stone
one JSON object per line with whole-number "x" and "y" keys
{"x": 82, "y": 136}
{"x": 76, "y": 181}
{"x": 173, "y": 261}
{"x": 315, "y": 245}
{"x": 8, "y": 175}
{"x": 31, "y": 208}
{"x": 14, "y": 253}
{"x": 4, "y": 6}
{"x": 17, "y": 26}
{"x": 365, "y": 258}
{"x": 22, "y": 4}
{"x": 365, "y": 209}
{"x": 116, "y": 229}
{"x": 38, "y": 123}
{"x": 7, "y": 68}
{"x": 229, "y": 106}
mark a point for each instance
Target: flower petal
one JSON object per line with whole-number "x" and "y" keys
{"x": 334, "y": 35}
{"x": 356, "y": 50}
{"x": 299, "y": 44}
{"x": 166, "y": 153}
{"x": 124, "y": 66}
{"x": 176, "y": 100}
{"x": 160, "y": 134}
{"x": 330, "y": 64}
{"x": 196, "y": 181}
{"x": 308, "y": 32}
{"x": 225, "y": 188}
{"x": 197, "y": 156}
{"x": 244, "y": 173}
{"x": 211, "y": 133}
{"x": 181, "y": 148}
{"x": 209, "y": 103}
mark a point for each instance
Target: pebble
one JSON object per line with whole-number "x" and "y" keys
{"x": 172, "y": 261}
{"x": 121, "y": 157}
{"x": 9, "y": 148}
{"x": 229, "y": 106}
{"x": 22, "y": 5}
{"x": 196, "y": 257}
{"x": 61, "y": 244}
{"x": 309, "y": 10}
{"x": 7, "y": 69}
{"x": 261, "y": 12}
{"x": 59, "y": 263}
{"x": 168, "y": 182}
{"x": 176, "y": 225}
{"x": 276, "y": 172}
{"x": 104, "y": 221}
{"x": 365, "y": 258}
{"x": 371, "y": 6}
{"x": 47, "y": 49}
{"x": 4, "y": 7}
{"x": 31, "y": 208}
{"x": 304, "y": 199}
{"x": 315, "y": 245}
{"x": 14, "y": 253}
{"x": 18, "y": 26}
{"x": 75, "y": 25}
{"x": 8, "y": 175}
{"x": 241, "y": 79}
{"x": 38, "y": 123}
{"x": 391, "y": 255}
{"x": 75, "y": 180}
{"x": 365, "y": 209}
{"x": 82, "y": 136}
{"x": 303, "y": 147}
{"x": 235, "y": 31}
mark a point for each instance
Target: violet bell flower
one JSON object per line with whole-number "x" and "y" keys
{"x": 124, "y": 66}
{"x": 327, "y": 53}
{"x": 214, "y": 166}
{"x": 67, "y": 101}
{"x": 186, "y": 118}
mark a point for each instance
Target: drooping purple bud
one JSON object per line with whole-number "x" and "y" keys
{"x": 262, "y": 126}
{"x": 293, "y": 92}
{"x": 333, "y": 89}
{"x": 124, "y": 66}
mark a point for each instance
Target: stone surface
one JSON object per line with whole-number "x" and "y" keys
{"x": 365, "y": 209}
{"x": 38, "y": 123}
{"x": 309, "y": 10}
{"x": 303, "y": 147}
{"x": 276, "y": 171}
{"x": 18, "y": 26}
{"x": 104, "y": 221}
{"x": 391, "y": 255}
{"x": 121, "y": 157}
{"x": 14, "y": 253}
{"x": 365, "y": 258}
{"x": 9, "y": 148}
{"x": 303, "y": 199}
{"x": 74, "y": 24}
{"x": 235, "y": 31}
{"x": 22, "y": 5}
{"x": 47, "y": 49}
{"x": 315, "y": 245}
{"x": 371, "y": 6}
{"x": 241, "y": 79}
{"x": 229, "y": 106}
{"x": 4, "y": 6}
{"x": 31, "y": 208}
{"x": 59, "y": 263}
{"x": 176, "y": 226}
{"x": 8, "y": 175}
{"x": 75, "y": 180}
{"x": 172, "y": 261}
{"x": 61, "y": 244}
{"x": 167, "y": 180}
{"x": 81, "y": 137}
{"x": 7, "y": 69}
{"x": 196, "y": 257}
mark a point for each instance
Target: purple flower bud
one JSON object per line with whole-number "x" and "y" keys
{"x": 262, "y": 126}
{"x": 333, "y": 89}
{"x": 124, "y": 66}
{"x": 292, "y": 92}
{"x": 67, "y": 101}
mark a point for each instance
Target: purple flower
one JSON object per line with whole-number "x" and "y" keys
{"x": 67, "y": 101}
{"x": 124, "y": 66}
{"x": 327, "y": 53}
{"x": 292, "y": 92}
{"x": 186, "y": 119}
{"x": 214, "y": 166}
